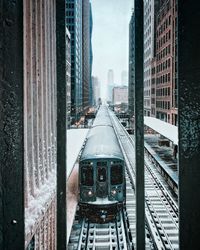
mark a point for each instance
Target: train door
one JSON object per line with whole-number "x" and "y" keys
{"x": 102, "y": 177}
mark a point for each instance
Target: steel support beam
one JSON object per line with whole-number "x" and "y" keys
{"x": 61, "y": 125}
{"x": 11, "y": 126}
{"x": 189, "y": 123}
{"x": 139, "y": 126}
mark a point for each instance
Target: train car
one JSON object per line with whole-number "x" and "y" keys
{"x": 101, "y": 172}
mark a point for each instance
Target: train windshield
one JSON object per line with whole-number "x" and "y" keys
{"x": 116, "y": 175}
{"x": 87, "y": 176}
{"x": 101, "y": 174}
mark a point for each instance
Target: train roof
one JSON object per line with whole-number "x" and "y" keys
{"x": 101, "y": 143}
{"x": 102, "y": 117}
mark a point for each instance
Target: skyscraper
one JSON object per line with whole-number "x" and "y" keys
{"x": 110, "y": 77}
{"x": 149, "y": 8}
{"x": 166, "y": 55}
{"x": 68, "y": 76}
{"x": 86, "y": 64}
{"x": 74, "y": 25}
{"x": 131, "y": 78}
{"x": 110, "y": 84}
{"x": 91, "y": 58}
{"x": 96, "y": 89}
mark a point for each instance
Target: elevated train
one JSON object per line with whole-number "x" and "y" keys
{"x": 101, "y": 172}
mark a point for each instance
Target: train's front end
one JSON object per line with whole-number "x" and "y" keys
{"x": 101, "y": 176}
{"x": 102, "y": 188}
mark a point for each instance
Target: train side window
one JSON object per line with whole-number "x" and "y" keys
{"x": 87, "y": 176}
{"x": 116, "y": 175}
{"x": 101, "y": 174}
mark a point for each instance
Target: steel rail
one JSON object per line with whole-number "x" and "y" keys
{"x": 161, "y": 210}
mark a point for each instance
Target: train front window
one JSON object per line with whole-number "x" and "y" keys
{"x": 101, "y": 174}
{"x": 116, "y": 175}
{"x": 87, "y": 176}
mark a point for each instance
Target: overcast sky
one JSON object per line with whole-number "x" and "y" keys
{"x": 110, "y": 38}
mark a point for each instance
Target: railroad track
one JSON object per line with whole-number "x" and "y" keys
{"x": 160, "y": 208}
{"x": 93, "y": 236}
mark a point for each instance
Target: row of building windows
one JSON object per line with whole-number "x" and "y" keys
{"x": 147, "y": 73}
{"x": 163, "y": 104}
{"x": 164, "y": 65}
{"x": 163, "y": 79}
{"x": 164, "y": 26}
{"x": 147, "y": 8}
{"x": 164, "y": 39}
{"x": 70, "y": 13}
{"x": 164, "y": 52}
{"x": 163, "y": 92}
{"x": 147, "y": 22}
{"x": 147, "y": 83}
{"x": 147, "y": 62}
{"x": 147, "y": 93}
{"x": 147, "y": 43}
{"x": 147, "y": 33}
{"x": 164, "y": 11}
{"x": 147, "y": 53}
{"x": 146, "y": 103}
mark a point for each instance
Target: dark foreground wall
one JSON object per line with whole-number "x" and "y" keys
{"x": 11, "y": 125}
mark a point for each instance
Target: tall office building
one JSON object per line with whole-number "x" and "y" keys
{"x": 91, "y": 58}
{"x": 149, "y": 8}
{"x": 68, "y": 76}
{"x": 120, "y": 95}
{"x": 96, "y": 90}
{"x": 86, "y": 66}
{"x": 74, "y": 25}
{"x": 110, "y": 76}
{"x": 166, "y": 59}
{"x": 131, "y": 75}
{"x": 110, "y": 84}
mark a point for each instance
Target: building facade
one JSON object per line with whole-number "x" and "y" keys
{"x": 174, "y": 109}
{"x": 91, "y": 59}
{"x": 120, "y": 95}
{"x": 74, "y": 25}
{"x": 149, "y": 8}
{"x": 165, "y": 61}
{"x": 131, "y": 75}
{"x": 40, "y": 135}
{"x": 96, "y": 90}
{"x": 86, "y": 53}
{"x": 68, "y": 75}
{"x": 110, "y": 84}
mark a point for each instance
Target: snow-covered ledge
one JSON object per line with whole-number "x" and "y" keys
{"x": 38, "y": 205}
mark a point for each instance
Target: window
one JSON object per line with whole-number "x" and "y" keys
{"x": 87, "y": 176}
{"x": 116, "y": 175}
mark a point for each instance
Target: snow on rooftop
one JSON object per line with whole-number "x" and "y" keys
{"x": 75, "y": 139}
{"x": 166, "y": 129}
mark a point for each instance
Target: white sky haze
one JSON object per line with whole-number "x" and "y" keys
{"x": 110, "y": 38}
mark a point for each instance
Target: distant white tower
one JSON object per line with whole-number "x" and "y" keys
{"x": 110, "y": 77}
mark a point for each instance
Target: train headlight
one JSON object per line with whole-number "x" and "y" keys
{"x": 90, "y": 193}
{"x": 113, "y": 192}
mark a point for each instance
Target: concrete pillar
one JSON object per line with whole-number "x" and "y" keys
{"x": 189, "y": 123}
{"x": 11, "y": 126}
{"x": 139, "y": 126}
